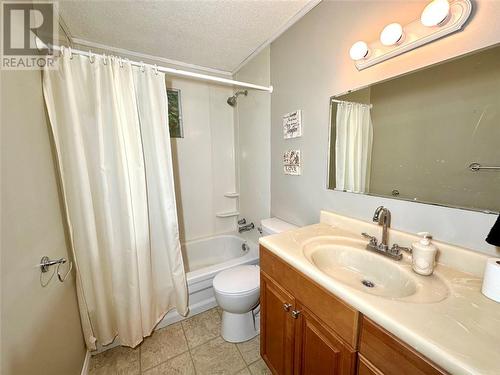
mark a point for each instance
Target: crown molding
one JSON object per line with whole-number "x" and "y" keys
{"x": 144, "y": 56}
{"x": 301, "y": 13}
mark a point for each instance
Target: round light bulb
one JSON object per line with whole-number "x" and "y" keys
{"x": 392, "y": 34}
{"x": 435, "y": 13}
{"x": 359, "y": 50}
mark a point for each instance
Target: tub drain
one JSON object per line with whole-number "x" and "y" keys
{"x": 368, "y": 283}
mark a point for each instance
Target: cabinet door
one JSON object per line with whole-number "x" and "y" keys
{"x": 365, "y": 367}
{"x": 277, "y": 326}
{"x": 318, "y": 351}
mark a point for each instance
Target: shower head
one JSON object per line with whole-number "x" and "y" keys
{"x": 232, "y": 100}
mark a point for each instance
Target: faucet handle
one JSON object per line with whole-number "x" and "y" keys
{"x": 242, "y": 221}
{"x": 397, "y": 249}
{"x": 373, "y": 239}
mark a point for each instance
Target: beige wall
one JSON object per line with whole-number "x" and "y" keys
{"x": 310, "y": 63}
{"x": 253, "y": 114}
{"x": 40, "y": 327}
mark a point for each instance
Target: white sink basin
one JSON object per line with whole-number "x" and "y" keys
{"x": 346, "y": 260}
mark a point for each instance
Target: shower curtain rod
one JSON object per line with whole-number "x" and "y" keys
{"x": 178, "y": 72}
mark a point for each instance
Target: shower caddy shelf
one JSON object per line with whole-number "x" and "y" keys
{"x": 227, "y": 214}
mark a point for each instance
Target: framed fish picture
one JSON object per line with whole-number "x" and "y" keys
{"x": 175, "y": 113}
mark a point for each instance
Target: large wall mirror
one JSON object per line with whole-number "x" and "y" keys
{"x": 415, "y": 137}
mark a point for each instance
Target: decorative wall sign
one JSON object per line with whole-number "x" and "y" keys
{"x": 292, "y": 162}
{"x": 292, "y": 124}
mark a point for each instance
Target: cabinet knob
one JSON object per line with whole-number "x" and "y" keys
{"x": 295, "y": 314}
{"x": 286, "y": 306}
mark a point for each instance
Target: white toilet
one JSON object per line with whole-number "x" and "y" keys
{"x": 237, "y": 292}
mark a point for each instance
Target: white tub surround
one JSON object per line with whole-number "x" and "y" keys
{"x": 459, "y": 333}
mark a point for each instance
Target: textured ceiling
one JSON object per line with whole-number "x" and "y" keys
{"x": 214, "y": 34}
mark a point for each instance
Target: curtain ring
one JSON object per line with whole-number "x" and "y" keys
{"x": 59, "y": 276}
{"x": 62, "y": 50}
{"x": 91, "y": 57}
{"x": 120, "y": 62}
{"x": 104, "y": 59}
{"x": 70, "y": 53}
{"x": 156, "y": 69}
{"x": 142, "y": 67}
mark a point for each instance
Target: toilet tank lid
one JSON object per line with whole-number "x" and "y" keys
{"x": 238, "y": 280}
{"x": 275, "y": 225}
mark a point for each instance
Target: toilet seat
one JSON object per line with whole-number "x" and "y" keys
{"x": 238, "y": 281}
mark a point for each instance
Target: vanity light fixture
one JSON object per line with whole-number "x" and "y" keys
{"x": 359, "y": 51}
{"x": 438, "y": 19}
{"x": 392, "y": 34}
{"x": 435, "y": 13}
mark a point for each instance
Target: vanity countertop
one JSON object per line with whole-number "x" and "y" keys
{"x": 460, "y": 333}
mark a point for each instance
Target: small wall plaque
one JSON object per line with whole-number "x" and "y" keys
{"x": 292, "y": 124}
{"x": 292, "y": 162}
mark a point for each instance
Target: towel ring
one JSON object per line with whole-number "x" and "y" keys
{"x": 59, "y": 276}
{"x": 46, "y": 263}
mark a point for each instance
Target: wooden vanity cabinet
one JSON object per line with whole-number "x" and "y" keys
{"x": 306, "y": 330}
{"x": 294, "y": 340}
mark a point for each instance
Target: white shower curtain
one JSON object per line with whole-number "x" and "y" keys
{"x": 353, "y": 147}
{"x": 110, "y": 127}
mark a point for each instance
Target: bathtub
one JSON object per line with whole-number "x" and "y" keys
{"x": 205, "y": 258}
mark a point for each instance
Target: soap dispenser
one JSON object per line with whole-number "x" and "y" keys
{"x": 424, "y": 255}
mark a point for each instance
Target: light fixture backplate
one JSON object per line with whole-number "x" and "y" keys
{"x": 417, "y": 35}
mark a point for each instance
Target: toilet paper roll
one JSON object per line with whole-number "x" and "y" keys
{"x": 491, "y": 281}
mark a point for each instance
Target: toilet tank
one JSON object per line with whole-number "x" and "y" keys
{"x": 274, "y": 225}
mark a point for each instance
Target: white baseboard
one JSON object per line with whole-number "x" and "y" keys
{"x": 86, "y": 364}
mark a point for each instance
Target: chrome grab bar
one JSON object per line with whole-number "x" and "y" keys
{"x": 475, "y": 167}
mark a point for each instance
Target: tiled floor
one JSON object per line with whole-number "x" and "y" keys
{"x": 190, "y": 347}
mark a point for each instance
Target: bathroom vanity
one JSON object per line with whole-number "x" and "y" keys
{"x": 317, "y": 319}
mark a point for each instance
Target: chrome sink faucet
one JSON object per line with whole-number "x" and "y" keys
{"x": 382, "y": 216}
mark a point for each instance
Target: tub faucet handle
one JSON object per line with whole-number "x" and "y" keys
{"x": 242, "y": 221}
